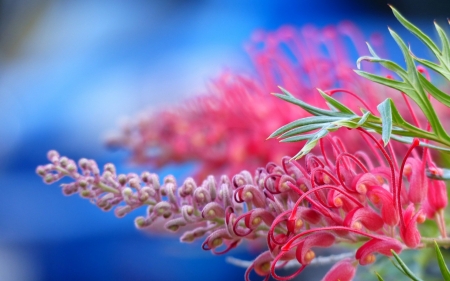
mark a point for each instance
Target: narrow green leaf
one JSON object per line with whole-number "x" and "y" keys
{"x": 386, "y": 120}
{"x": 410, "y": 66}
{"x": 365, "y": 118}
{"x": 311, "y": 143}
{"x": 445, "y": 44}
{"x": 309, "y": 108}
{"x": 406, "y": 270}
{"x": 286, "y": 92}
{"x": 435, "y": 67}
{"x": 298, "y": 138}
{"x": 401, "y": 86}
{"x": 303, "y": 122}
{"x": 384, "y": 62}
{"x": 379, "y": 277}
{"x": 434, "y": 91}
{"x": 302, "y": 129}
{"x": 398, "y": 267}
{"x": 441, "y": 262}
{"x": 335, "y": 103}
{"x": 416, "y": 31}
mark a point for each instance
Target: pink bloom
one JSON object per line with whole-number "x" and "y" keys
{"x": 288, "y": 205}
{"x": 224, "y": 129}
{"x": 365, "y": 253}
{"x": 409, "y": 233}
{"x": 342, "y": 271}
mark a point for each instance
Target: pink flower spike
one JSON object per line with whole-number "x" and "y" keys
{"x": 342, "y": 271}
{"x": 366, "y": 253}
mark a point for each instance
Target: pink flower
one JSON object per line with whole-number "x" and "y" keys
{"x": 366, "y": 253}
{"x": 223, "y": 130}
{"x": 294, "y": 206}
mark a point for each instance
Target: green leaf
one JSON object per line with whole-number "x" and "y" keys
{"x": 298, "y": 138}
{"x": 336, "y": 104}
{"x": 401, "y": 86}
{"x": 441, "y": 262}
{"x": 445, "y": 43}
{"x": 434, "y": 91}
{"x": 309, "y": 108}
{"x": 435, "y": 67}
{"x": 302, "y": 129}
{"x": 416, "y": 31}
{"x": 405, "y": 269}
{"x": 311, "y": 143}
{"x": 379, "y": 277}
{"x": 303, "y": 122}
{"x": 386, "y": 120}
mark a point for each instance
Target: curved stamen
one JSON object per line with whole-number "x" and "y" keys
{"x": 323, "y": 152}
{"x": 236, "y": 224}
{"x": 283, "y": 278}
{"x": 279, "y": 219}
{"x": 333, "y": 91}
{"x": 313, "y": 183}
{"x": 366, "y": 159}
{"x": 391, "y": 165}
{"x": 287, "y": 246}
{"x": 338, "y": 166}
{"x": 294, "y": 209}
{"x": 394, "y": 160}
{"x": 414, "y": 144}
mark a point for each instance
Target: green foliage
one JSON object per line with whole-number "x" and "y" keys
{"x": 441, "y": 262}
{"x": 390, "y": 124}
{"x": 404, "y": 269}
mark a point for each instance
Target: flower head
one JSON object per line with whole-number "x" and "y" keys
{"x": 328, "y": 198}
{"x": 223, "y": 130}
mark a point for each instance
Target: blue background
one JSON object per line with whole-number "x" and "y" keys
{"x": 69, "y": 70}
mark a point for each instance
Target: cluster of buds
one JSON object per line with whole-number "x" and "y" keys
{"x": 336, "y": 196}
{"x": 222, "y": 130}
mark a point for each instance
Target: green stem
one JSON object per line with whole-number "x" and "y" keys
{"x": 429, "y": 242}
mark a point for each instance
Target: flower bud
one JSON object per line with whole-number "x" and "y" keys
{"x": 175, "y": 224}
{"x": 53, "y": 156}
{"x": 213, "y": 210}
{"x": 365, "y": 253}
{"x": 344, "y": 270}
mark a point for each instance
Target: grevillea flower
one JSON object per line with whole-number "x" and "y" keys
{"x": 223, "y": 130}
{"x": 334, "y": 196}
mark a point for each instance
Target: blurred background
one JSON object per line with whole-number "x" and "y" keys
{"x": 70, "y": 70}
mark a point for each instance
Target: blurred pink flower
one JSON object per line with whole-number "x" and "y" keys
{"x": 224, "y": 130}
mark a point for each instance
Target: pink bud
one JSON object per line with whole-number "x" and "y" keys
{"x": 383, "y": 198}
{"x": 365, "y": 253}
{"x": 304, "y": 254}
{"x": 342, "y": 271}
{"x": 362, "y": 182}
{"x": 437, "y": 194}
{"x": 418, "y": 183}
{"x": 364, "y": 217}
